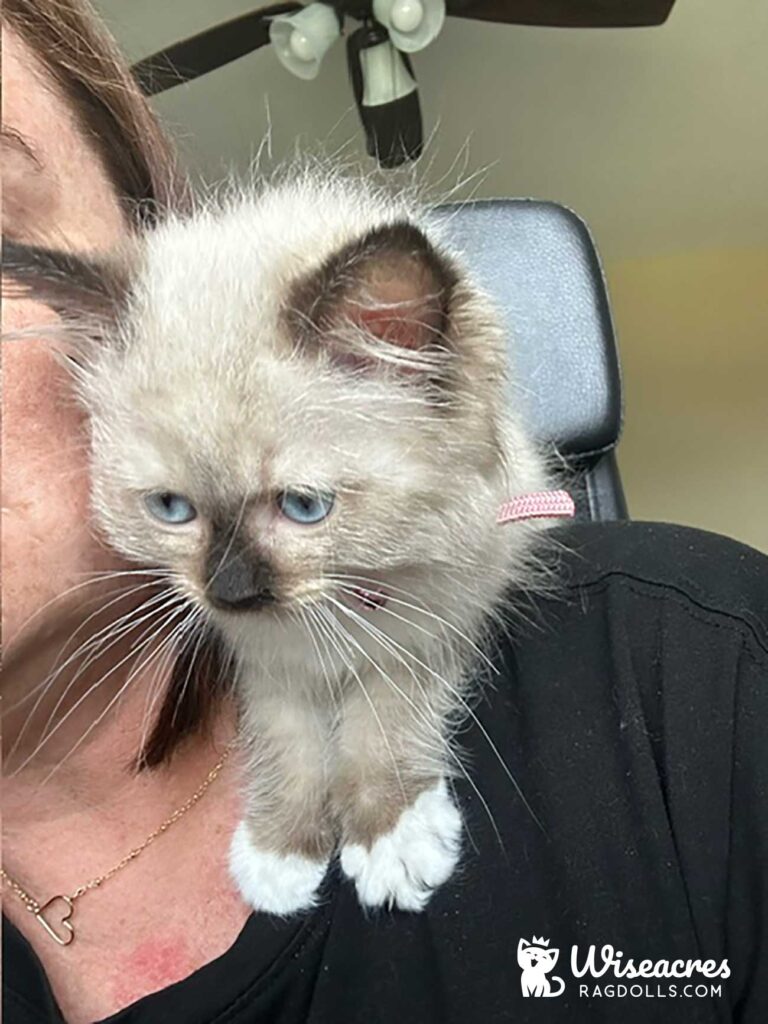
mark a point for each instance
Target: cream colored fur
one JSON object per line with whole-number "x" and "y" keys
{"x": 347, "y": 712}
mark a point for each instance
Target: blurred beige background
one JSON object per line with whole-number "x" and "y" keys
{"x": 657, "y": 137}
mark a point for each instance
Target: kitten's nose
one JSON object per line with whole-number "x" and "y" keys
{"x": 239, "y": 582}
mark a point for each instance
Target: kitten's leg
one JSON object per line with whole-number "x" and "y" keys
{"x": 401, "y": 832}
{"x": 280, "y": 851}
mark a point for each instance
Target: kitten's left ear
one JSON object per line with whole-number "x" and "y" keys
{"x": 383, "y": 298}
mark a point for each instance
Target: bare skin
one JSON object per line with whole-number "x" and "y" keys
{"x": 149, "y": 926}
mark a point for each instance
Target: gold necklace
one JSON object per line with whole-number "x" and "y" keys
{"x": 66, "y": 932}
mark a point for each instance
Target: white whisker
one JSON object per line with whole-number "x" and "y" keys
{"x": 392, "y": 645}
{"x": 91, "y": 689}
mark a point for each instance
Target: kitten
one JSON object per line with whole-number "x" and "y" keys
{"x": 298, "y": 407}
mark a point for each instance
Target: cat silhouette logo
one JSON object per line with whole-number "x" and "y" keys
{"x": 536, "y": 960}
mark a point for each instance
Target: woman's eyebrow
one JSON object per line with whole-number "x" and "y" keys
{"x": 13, "y": 139}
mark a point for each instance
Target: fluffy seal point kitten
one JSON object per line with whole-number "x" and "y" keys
{"x": 298, "y": 409}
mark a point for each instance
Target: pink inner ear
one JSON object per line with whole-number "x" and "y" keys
{"x": 402, "y": 308}
{"x": 405, "y": 326}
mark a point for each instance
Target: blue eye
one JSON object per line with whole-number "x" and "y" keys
{"x": 170, "y": 508}
{"x": 305, "y": 507}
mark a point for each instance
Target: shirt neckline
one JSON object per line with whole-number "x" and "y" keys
{"x": 263, "y": 948}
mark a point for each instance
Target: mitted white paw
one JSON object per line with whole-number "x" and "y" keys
{"x": 272, "y": 882}
{"x": 403, "y": 867}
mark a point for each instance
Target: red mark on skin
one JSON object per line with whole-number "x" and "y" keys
{"x": 153, "y": 965}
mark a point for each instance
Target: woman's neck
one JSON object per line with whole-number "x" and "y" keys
{"x": 71, "y": 748}
{"x": 164, "y": 914}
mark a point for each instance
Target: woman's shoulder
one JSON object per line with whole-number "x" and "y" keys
{"x": 712, "y": 575}
{"x": 653, "y": 634}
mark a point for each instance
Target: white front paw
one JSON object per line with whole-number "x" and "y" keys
{"x": 404, "y": 866}
{"x": 275, "y": 883}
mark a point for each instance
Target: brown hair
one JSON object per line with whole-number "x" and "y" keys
{"x": 84, "y": 61}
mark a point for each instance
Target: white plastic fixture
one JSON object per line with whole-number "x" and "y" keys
{"x": 301, "y": 39}
{"x": 385, "y": 76}
{"x": 407, "y": 15}
{"x": 412, "y": 24}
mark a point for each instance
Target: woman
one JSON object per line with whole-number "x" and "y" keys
{"x": 632, "y": 720}
{"x": 79, "y": 164}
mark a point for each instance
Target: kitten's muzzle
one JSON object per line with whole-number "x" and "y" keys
{"x": 240, "y": 583}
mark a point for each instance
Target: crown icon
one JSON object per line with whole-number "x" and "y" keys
{"x": 539, "y": 942}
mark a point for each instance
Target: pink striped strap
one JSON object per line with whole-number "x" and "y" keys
{"x": 537, "y": 505}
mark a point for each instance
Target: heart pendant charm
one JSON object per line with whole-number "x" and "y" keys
{"x": 61, "y": 930}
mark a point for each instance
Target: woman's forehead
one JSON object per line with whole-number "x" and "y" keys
{"x": 55, "y": 187}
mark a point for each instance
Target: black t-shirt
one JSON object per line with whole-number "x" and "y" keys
{"x": 633, "y": 715}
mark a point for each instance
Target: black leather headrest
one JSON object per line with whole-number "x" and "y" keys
{"x": 538, "y": 262}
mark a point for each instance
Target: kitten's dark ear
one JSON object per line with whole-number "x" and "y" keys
{"x": 385, "y": 297}
{"x": 76, "y": 287}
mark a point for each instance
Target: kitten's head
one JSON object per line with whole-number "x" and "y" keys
{"x": 297, "y": 394}
{"x": 535, "y": 956}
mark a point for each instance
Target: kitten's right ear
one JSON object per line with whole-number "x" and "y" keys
{"x": 77, "y": 288}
